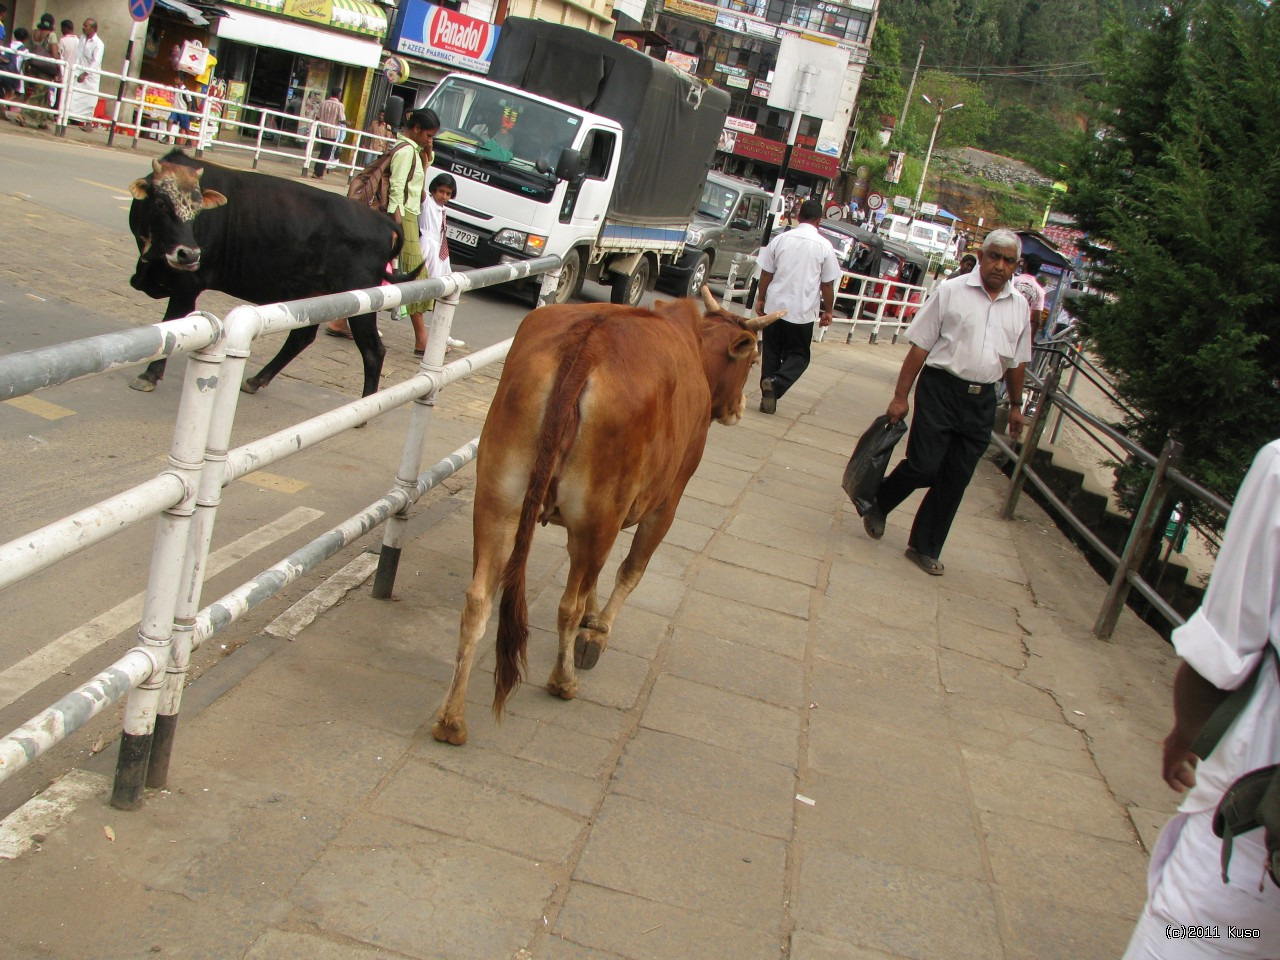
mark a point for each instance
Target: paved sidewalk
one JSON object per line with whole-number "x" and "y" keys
{"x": 797, "y": 745}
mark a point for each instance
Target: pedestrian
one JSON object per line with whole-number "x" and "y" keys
{"x": 798, "y": 271}
{"x": 13, "y": 88}
{"x": 68, "y": 49}
{"x": 1026, "y": 284}
{"x": 967, "y": 263}
{"x": 43, "y": 43}
{"x": 434, "y": 239}
{"x": 379, "y": 128}
{"x": 406, "y": 192}
{"x": 1224, "y": 645}
{"x": 87, "y": 75}
{"x": 330, "y": 119}
{"x": 180, "y": 118}
{"x": 972, "y": 331}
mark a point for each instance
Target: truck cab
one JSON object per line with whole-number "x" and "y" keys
{"x": 534, "y": 176}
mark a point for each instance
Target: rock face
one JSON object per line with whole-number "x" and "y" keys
{"x": 972, "y": 201}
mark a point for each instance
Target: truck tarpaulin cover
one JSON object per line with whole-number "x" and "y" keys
{"x": 672, "y": 122}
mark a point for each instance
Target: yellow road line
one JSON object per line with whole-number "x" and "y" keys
{"x": 271, "y": 481}
{"x": 113, "y": 187}
{"x": 41, "y": 408}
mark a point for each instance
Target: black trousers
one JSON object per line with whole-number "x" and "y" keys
{"x": 325, "y": 150}
{"x": 784, "y": 353}
{"x": 950, "y": 430}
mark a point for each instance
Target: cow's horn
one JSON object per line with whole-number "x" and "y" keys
{"x": 759, "y": 323}
{"x": 155, "y": 166}
{"x": 709, "y": 298}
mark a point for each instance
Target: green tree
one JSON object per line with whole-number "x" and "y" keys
{"x": 881, "y": 89}
{"x": 1179, "y": 191}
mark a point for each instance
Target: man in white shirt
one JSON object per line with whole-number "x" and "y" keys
{"x": 86, "y": 75}
{"x": 973, "y": 331}
{"x": 798, "y": 271}
{"x": 1222, "y": 646}
{"x": 69, "y": 50}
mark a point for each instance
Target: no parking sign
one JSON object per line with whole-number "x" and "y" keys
{"x": 141, "y": 9}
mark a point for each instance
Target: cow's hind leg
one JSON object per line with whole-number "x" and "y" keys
{"x": 493, "y": 542}
{"x": 364, "y": 330}
{"x": 593, "y": 637}
{"x": 588, "y": 551}
{"x": 297, "y": 341}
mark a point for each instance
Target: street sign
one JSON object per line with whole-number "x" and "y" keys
{"x": 874, "y": 201}
{"x": 901, "y": 202}
{"x": 929, "y": 209}
{"x": 140, "y": 10}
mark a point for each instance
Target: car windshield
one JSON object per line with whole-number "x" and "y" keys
{"x": 501, "y": 126}
{"x": 718, "y": 201}
{"x": 841, "y": 241}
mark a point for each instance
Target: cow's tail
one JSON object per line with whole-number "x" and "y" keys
{"x": 559, "y": 431}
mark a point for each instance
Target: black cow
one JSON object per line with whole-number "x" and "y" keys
{"x": 259, "y": 238}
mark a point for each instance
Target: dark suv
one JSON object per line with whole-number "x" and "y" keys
{"x": 729, "y": 220}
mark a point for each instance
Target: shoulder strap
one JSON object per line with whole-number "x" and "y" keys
{"x": 1231, "y": 707}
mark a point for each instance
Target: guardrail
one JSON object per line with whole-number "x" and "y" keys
{"x": 1165, "y": 485}
{"x": 186, "y": 495}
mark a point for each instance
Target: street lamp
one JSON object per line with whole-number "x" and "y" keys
{"x": 937, "y": 122}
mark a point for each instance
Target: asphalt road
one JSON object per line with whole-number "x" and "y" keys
{"x": 63, "y": 206}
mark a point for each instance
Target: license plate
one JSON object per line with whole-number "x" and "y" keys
{"x": 461, "y": 236}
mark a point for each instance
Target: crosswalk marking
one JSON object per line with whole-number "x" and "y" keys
{"x": 272, "y": 481}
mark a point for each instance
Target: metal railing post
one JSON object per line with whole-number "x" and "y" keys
{"x": 1145, "y": 523}
{"x": 384, "y": 578}
{"x": 155, "y": 633}
{"x": 1029, "y": 446}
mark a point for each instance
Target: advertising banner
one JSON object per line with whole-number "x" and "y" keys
{"x": 446, "y": 36}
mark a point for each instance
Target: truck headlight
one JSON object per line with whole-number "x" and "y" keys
{"x": 530, "y": 243}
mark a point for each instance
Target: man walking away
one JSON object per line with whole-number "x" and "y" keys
{"x": 68, "y": 49}
{"x": 87, "y": 75}
{"x": 1230, "y": 641}
{"x": 798, "y": 271}
{"x": 330, "y": 118}
{"x": 1027, "y": 284}
{"x": 971, "y": 332}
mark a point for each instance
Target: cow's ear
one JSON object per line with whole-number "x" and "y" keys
{"x": 140, "y": 189}
{"x": 743, "y": 346}
{"x": 210, "y": 199}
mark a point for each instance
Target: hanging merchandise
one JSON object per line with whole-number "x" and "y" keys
{"x": 194, "y": 58}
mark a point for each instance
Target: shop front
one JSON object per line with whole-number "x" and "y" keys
{"x": 176, "y": 54}
{"x": 285, "y": 55}
{"x": 759, "y": 159}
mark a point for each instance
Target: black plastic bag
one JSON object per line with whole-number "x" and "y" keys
{"x": 865, "y": 472}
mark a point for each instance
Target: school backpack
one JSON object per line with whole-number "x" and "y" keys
{"x": 372, "y": 185}
{"x": 1253, "y": 801}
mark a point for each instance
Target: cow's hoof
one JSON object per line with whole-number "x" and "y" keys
{"x": 252, "y": 385}
{"x": 564, "y": 689}
{"x": 587, "y": 650}
{"x": 143, "y": 385}
{"x": 454, "y": 733}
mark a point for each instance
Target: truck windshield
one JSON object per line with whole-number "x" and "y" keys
{"x": 717, "y": 202}
{"x": 501, "y": 126}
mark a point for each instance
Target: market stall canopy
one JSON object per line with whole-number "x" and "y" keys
{"x": 1038, "y": 244}
{"x": 351, "y": 16}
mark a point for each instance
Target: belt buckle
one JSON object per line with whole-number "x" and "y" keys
{"x": 974, "y": 388}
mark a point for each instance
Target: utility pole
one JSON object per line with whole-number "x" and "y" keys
{"x": 937, "y": 122}
{"x": 902, "y": 118}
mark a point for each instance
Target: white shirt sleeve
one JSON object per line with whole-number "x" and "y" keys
{"x": 1224, "y": 638}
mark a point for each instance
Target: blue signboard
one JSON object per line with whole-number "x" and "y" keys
{"x": 141, "y": 9}
{"x": 430, "y": 32}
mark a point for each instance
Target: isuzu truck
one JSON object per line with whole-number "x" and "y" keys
{"x": 577, "y": 146}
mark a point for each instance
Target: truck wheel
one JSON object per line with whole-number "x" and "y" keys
{"x": 630, "y": 288}
{"x": 571, "y": 277}
{"x": 698, "y": 277}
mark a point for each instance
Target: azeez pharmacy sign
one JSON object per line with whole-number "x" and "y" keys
{"x": 446, "y": 36}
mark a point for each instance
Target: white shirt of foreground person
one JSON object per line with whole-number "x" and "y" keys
{"x": 968, "y": 334}
{"x": 801, "y": 260}
{"x": 1223, "y": 642}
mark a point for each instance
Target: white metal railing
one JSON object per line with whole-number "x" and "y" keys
{"x": 141, "y": 108}
{"x": 186, "y": 495}
{"x": 880, "y": 304}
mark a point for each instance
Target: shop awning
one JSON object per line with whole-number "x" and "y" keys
{"x": 296, "y": 37}
{"x": 359, "y": 16}
{"x": 200, "y": 14}
{"x": 353, "y": 16}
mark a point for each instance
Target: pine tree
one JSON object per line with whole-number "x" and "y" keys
{"x": 1179, "y": 190}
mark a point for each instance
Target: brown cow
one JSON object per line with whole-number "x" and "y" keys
{"x": 597, "y": 425}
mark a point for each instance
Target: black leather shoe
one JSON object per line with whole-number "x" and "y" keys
{"x": 768, "y": 399}
{"x": 873, "y": 522}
